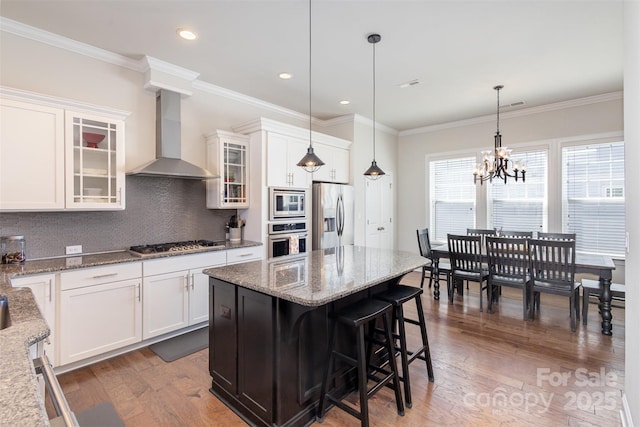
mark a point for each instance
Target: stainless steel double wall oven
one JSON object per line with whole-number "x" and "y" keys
{"x": 287, "y": 222}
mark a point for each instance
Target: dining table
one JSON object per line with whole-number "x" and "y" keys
{"x": 598, "y": 265}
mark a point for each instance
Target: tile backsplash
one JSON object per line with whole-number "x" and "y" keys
{"x": 157, "y": 210}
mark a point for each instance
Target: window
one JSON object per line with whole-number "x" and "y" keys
{"x": 593, "y": 197}
{"x": 452, "y": 197}
{"x": 520, "y": 206}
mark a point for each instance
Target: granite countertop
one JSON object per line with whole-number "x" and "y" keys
{"x": 20, "y": 401}
{"x": 321, "y": 276}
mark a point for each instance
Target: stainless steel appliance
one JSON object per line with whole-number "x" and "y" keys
{"x": 286, "y": 203}
{"x": 182, "y": 247}
{"x": 287, "y": 238}
{"x": 332, "y": 215}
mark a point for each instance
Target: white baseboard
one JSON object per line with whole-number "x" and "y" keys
{"x": 625, "y": 413}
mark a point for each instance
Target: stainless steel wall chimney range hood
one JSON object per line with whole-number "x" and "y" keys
{"x": 168, "y": 145}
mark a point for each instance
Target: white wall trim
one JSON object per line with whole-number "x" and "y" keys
{"x": 146, "y": 63}
{"x": 518, "y": 113}
{"x": 264, "y": 124}
{"x": 55, "y": 102}
{"x": 625, "y": 412}
{"x": 55, "y": 40}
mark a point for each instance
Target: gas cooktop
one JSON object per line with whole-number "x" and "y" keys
{"x": 178, "y": 247}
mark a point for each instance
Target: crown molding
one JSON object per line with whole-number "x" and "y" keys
{"x": 55, "y": 102}
{"x": 246, "y": 99}
{"x": 588, "y": 100}
{"x": 264, "y": 124}
{"x": 357, "y": 118}
{"x": 36, "y": 34}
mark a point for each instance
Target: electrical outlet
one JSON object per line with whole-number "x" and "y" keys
{"x": 73, "y": 250}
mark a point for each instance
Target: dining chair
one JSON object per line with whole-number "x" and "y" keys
{"x": 557, "y": 236}
{"x": 508, "y": 262}
{"x": 481, "y": 232}
{"x": 465, "y": 254}
{"x": 512, "y": 233}
{"x": 553, "y": 266}
{"x": 424, "y": 244}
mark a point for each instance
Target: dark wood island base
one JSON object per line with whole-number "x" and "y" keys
{"x": 267, "y": 352}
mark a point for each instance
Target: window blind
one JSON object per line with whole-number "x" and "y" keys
{"x": 593, "y": 197}
{"x": 520, "y": 206}
{"x": 452, "y": 197}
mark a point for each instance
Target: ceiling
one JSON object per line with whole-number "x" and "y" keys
{"x": 541, "y": 51}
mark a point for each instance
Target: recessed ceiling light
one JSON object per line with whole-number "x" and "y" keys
{"x": 345, "y": 102}
{"x": 285, "y": 76}
{"x": 186, "y": 34}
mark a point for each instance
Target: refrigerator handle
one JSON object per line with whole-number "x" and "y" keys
{"x": 340, "y": 215}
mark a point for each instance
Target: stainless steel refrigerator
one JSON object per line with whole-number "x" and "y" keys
{"x": 332, "y": 215}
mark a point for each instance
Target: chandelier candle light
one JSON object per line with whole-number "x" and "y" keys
{"x": 374, "y": 172}
{"x": 496, "y": 164}
{"x": 310, "y": 162}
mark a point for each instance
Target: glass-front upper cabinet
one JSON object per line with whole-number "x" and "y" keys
{"x": 228, "y": 158}
{"x": 96, "y": 179}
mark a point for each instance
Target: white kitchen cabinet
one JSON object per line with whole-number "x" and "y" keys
{"x": 336, "y": 167}
{"x": 239, "y": 255}
{"x": 176, "y": 292}
{"x": 100, "y": 310}
{"x": 95, "y": 162}
{"x": 59, "y": 155}
{"x": 31, "y": 156}
{"x": 283, "y": 154}
{"x": 228, "y": 157}
{"x": 43, "y": 287}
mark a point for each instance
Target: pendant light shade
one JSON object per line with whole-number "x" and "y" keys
{"x": 374, "y": 172}
{"x": 310, "y": 162}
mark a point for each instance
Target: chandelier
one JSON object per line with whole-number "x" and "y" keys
{"x": 495, "y": 164}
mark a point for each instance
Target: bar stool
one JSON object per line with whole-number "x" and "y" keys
{"x": 397, "y": 296}
{"x": 364, "y": 312}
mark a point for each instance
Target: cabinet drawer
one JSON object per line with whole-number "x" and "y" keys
{"x": 183, "y": 262}
{"x": 252, "y": 253}
{"x": 98, "y": 275}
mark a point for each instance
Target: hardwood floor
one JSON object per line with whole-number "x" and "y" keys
{"x": 490, "y": 369}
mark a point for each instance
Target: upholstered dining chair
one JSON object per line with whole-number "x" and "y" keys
{"x": 424, "y": 244}
{"x": 553, "y": 266}
{"x": 465, "y": 254}
{"x": 508, "y": 262}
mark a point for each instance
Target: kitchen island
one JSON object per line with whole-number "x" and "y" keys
{"x": 269, "y": 321}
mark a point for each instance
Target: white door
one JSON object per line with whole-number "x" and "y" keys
{"x": 44, "y": 292}
{"x": 379, "y": 212}
{"x": 165, "y": 303}
{"x": 100, "y": 318}
{"x": 198, "y": 297}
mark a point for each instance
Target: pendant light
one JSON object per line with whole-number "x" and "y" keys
{"x": 374, "y": 172}
{"x": 496, "y": 164}
{"x": 310, "y": 162}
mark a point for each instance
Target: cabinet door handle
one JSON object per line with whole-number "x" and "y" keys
{"x": 139, "y": 292}
{"x": 186, "y": 281}
{"x": 244, "y": 255}
{"x": 119, "y": 198}
{"x": 100, "y": 276}
{"x": 49, "y": 290}
{"x": 193, "y": 282}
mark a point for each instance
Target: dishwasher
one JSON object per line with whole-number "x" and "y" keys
{"x": 65, "y": 417}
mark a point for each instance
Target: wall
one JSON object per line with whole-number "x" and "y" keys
{"x": 631, "y": 395}
{"x": 470, "y": 137}
{"x": 157, "y": 210}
